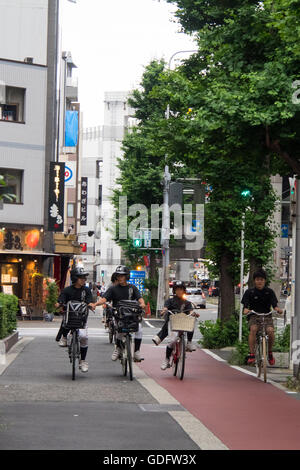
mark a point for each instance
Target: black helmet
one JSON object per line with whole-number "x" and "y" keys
{"x": 260, "y": 273}
{"x": 76, "y": 273}
{"x": 122, "y": 270}
{"x": 177, "y": 284}
{"x": 113, "y": 277}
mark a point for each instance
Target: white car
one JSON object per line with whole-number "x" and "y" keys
{"x": 196, "y": 296}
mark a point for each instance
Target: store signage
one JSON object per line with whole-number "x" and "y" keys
{"x": 70, "y": 174}
{"x": 56, "y": 197}
{"x": 84, "y": 198}
{"x": 27, "y": 240}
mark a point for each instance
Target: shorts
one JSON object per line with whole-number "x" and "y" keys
{"x": 256, "y": 320}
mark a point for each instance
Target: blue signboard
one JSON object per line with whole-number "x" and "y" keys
{"x": 284, "y": 231}
{"x": 137, "y": 278}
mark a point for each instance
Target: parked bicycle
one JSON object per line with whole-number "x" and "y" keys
{"x": 261, "y": 346}
{"x": 181, "y": 324}
{"x": 75, "y": 318}
{"x": 128, "y": 315}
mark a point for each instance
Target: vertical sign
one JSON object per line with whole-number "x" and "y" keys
{"x": 56, "y": 197}
{"x": 84, "y": 197}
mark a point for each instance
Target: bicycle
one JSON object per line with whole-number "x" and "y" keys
{"x": 128, "y": 315}
{"x": 110, "y": 324}
{"x": 75, "y": 318}
{"x": 181, "y": 324}
{"x": 261, "y": 346}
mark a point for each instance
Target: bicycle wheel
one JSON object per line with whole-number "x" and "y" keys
{"x": 264, "y": 352}
{"x": 110, "y": 332}
{"x": 258, "y": 359}
{"x": 124, "y": 358}
{"x": 74, "y": 353}
{"x": 129, "y": 355}
{"x": 181, "y": 358}
{"x": 175, "y": 357}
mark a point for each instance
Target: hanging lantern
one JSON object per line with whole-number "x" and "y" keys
{"x": 32, "y": 238}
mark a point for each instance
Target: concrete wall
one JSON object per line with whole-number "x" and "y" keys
{"x": 23, "y": 31}
{"x": 22, "y": 146}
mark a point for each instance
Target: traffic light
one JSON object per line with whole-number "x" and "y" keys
{"x": 246, "y": 193}
{"x": 137, "y": 240}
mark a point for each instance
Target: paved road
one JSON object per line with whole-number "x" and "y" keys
{"x": 41, "y": 408}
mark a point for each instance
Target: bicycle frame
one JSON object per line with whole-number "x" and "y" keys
{"x": 261, "y": 350}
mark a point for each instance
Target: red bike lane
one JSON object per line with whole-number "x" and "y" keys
{"x": 241, "y": 410}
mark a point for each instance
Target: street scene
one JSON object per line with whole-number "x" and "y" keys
{"x": 149, "y": 228}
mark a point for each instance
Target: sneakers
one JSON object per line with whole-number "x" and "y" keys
{"x": 83, "y": 365}
{"x": 137, "y": 357}
{"x": 116, "y": 354}
{"x": 190, "y": 347}
{"x": 271, "y": 359}
{"x": 251, "y": 359}
{"x": 165, "y": 364}
{"x": 156, "y": 340}
{"x": 63, "y": 342}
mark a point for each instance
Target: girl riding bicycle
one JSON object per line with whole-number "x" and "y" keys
{"x": 176, "y": 304}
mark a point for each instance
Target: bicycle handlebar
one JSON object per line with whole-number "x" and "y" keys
{"x": 260, "y": 314}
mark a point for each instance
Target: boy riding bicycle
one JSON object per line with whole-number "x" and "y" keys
{"x": 260, "y": 299}
{"x": 177, "y": 304}
{"x": 77, "y": 291}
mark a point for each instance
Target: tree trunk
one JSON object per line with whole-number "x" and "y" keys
{"x": 226, "y": 288}
{"x": 254, "y": 266}
{"x": 153, "y": 274}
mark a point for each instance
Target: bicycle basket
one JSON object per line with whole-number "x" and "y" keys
{"x": 182, "y": 322}
{"x": 129, "y": 315}
{"x": 76, "y": 314}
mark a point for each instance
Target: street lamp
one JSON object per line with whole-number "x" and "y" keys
{"x": 165, "y": 234}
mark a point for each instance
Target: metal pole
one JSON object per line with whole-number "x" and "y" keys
{"x": 242, "y": 275}
{"x": 296, "y": 256}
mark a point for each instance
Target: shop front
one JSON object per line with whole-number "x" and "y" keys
{"x": 21, "y": 266}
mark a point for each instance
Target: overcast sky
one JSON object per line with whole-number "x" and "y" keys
{"x": 111, "y": 42}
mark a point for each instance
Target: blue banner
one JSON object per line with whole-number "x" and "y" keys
{"x": 71, "y": 129}
{"x": 138, "y": 278}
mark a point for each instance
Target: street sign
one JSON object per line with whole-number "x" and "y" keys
{"x": 284, "y": 231}
{"x": 147, "y": 238}
{"x": 197, "y": 226}
{"x": 138, "y": 279}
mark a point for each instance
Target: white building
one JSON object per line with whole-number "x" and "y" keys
{"x": 101, "y": 150}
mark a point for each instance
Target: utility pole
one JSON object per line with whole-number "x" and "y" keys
{"x": 165, "y": 235}
{"x": 242, "y": 276}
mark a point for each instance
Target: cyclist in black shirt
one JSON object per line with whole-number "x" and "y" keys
{"x": 77, "y": 291}
{"x": 124, "y": 291}
{"x": 260, "y": 299}
{"x": 177, "y": 304}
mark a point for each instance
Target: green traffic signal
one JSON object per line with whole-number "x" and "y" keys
{"x": 137, "y": 242}
{"x": 246, "y": 193}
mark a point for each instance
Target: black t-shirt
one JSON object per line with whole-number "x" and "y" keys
{"x": 83, "y": 294}
{"x": 177, "y": 304}
{"x": 118, "y": 292}
{"x": 260, "y": 300}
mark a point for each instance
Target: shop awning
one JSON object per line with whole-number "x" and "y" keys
{"x": 32, "y": 253}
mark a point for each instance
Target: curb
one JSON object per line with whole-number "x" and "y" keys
{"x": 6, "y": 344}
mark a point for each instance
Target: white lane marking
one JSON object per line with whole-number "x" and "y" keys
{"x": 218, "y": 358}
{"x": 245, "y": 371}
{"x": 149, "y": 324}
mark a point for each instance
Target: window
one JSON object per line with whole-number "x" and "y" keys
{"x": 70, "y": 210}
{"x": 12, "y": 104}
{"x": 99, "y": 169}
{"x": 12, "y": 189}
